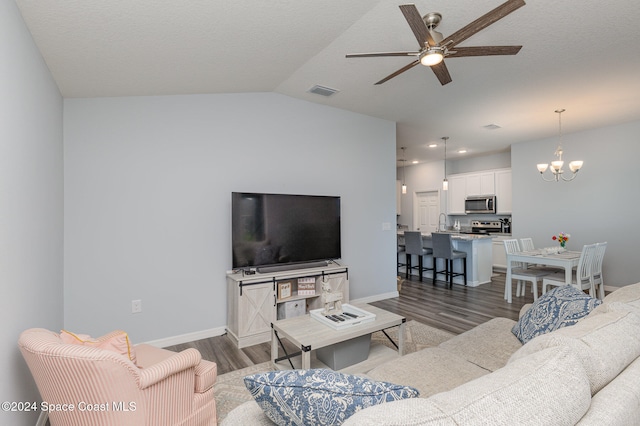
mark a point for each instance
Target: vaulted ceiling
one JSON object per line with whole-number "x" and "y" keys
{"x": 581, "y": 55}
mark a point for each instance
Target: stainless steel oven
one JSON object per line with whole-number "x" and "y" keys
{"x": 485, "y": 204}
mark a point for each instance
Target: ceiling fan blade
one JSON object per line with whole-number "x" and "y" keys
{"x": 459, "y": 52}
{"x": 417, "y": 25}
{"x": 442, "y": 73}
{"x": 483, "y": 22}
{"x": 376, "y": 54}
{"x": 400, "y": 71}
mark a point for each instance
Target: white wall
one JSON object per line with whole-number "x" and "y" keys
{"x": 148, "y": 184}
{"x": 601, "y": 204}
{"x": 30, "y": 205}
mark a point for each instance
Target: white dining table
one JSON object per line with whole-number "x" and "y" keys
{"x": 567, "y": 260}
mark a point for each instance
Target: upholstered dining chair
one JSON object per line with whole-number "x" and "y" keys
{"x": 522, "y": 272}
{"x": 108, "y": 388}
{"x": 581, "y": 276}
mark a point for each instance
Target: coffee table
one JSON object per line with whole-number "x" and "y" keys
{"x": 310, "y": 334}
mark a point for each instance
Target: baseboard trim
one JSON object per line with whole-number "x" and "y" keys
{"x": 375, "y": 298}
{"x": 188, "y": 337}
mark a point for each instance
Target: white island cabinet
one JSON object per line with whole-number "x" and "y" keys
{"x": 479, "y": 249}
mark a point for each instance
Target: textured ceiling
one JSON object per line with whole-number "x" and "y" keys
{"x": 581, "y": 55}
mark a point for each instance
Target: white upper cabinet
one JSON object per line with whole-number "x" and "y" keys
{"x": 481, "y": 184}
{"x": 489, "y": 182}
{"x": 503, "y": 191}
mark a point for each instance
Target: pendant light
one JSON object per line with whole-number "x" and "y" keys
{"x": 445, "y": 182}
{"x": 556, "y": 166}
{"x": 404, "y": 185}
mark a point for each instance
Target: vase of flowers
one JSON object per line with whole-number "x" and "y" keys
{"x": 562, "y": 238}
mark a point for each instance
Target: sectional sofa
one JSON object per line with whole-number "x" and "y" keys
{"x": 586, "y": 374}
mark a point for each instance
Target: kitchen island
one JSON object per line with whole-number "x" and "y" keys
{"x": 479, "y": 249}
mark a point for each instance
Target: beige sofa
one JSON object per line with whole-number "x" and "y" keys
{"x": 586, "y": 374}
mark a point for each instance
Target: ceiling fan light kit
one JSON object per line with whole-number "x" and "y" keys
{"x": 556, "y": 166}
{"x": 434, "y": 47}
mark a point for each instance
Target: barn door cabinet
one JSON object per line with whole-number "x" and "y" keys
{"x": 253, "y": 301}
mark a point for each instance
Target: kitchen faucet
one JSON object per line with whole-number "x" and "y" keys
{"x": 442, "y": 225}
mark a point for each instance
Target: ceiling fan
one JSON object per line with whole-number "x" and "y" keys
{"x": 434, "y": 47}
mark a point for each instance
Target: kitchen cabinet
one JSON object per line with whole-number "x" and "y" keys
{"x": 503, "y": 191}
{"x": 499, "y": 253}
{"x": 489, "y": 182}
{"x": 456, "y": 194}
{"x": 481, "y": 183}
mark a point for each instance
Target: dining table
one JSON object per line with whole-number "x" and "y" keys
{"x": 566, "y": 259}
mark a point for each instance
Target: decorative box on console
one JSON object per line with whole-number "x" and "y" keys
{"x": 294, "y": 308}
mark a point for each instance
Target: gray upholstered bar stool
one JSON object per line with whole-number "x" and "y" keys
{"x": 443, "y": 249}
{"x": 413, "y": 247}
{"x": 401, "y": 251}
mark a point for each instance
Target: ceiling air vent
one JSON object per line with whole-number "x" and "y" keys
{"x": 322, "y": 90}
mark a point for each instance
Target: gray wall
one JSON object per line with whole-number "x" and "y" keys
{"x": 601, "y": 204}
{"x": 148, "y": 184}
{"x": 30, "y": 205}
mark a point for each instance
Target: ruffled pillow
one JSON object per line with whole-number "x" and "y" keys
{"x": 116, "y": 341}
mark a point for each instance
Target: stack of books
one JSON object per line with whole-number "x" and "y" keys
{"x": 306, "y": 286}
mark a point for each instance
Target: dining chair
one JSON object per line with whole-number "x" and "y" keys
{"x": 414, "y": 247}
{"x": 597, "y": 280}
{"x": 581, "y": 276}
{"x": 443, "y": 249}
{"x": 522, "y": 272}
{"x": 526, "y": 244}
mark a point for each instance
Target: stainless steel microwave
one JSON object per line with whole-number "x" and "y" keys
{"x": 485, "y": 204}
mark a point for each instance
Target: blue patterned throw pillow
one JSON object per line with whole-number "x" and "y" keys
{"x": 558, "y": 308}
{"x": 319, "y": 396}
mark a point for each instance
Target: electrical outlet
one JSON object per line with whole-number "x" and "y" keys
{"x": 136, "y": 306}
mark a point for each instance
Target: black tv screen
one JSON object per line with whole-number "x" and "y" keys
{"x": 273, "y": 229}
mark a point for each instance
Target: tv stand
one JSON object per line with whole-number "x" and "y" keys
{"x": 291, "y": 266}
{"x": 254, "y": 302}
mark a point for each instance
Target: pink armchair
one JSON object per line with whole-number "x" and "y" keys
{"x": 87, "y": 386}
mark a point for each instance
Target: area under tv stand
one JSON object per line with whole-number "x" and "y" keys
{"x": 254, "y": 300}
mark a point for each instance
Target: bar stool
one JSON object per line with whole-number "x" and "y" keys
{"x": 443, "y": 249}
{"x": 401, "y": 251}
{"x": 413, "y": 246}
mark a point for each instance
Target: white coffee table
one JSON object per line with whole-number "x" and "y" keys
{"x": 309, "y": 334}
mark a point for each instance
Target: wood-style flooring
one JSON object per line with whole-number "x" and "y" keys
{"x": 456, "y": 309}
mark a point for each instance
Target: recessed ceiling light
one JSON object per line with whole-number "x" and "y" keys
{"x": 415, "y": 162}
{"x": 433, "y": 145}
{"x": 462, "y": 151}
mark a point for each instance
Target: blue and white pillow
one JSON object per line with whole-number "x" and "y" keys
{"x": 560, "y": 307}
{"x": 319, "y": 396}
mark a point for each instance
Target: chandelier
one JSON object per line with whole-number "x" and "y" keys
{"x": 556, "y": 166}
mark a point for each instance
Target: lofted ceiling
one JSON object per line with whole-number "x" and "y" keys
{"x": 581, "y": 55}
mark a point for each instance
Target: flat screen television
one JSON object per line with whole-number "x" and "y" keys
{"x": 281, "y": 229}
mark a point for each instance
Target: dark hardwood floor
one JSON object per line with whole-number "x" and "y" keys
{"x": 456, "y": 309}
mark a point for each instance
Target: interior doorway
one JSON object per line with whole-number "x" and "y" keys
{"x": 426, "y": 211}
